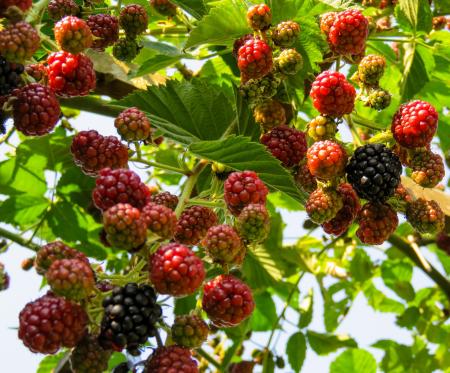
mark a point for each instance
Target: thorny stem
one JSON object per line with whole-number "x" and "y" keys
{"x": 18, "y": 239}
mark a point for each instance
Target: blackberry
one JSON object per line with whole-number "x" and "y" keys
{"x": 253, "y": 223}
{"x": 259, "y": 17}
{"x": 428, "y": 168}
{"x": 269, "y": 114}
{"x": 238, "y": 43}
{"x": 37, "y": 71}
{"x": 19, "y": 41}
{"x": 305, "y": 179}
{"x": 223, "y": 245}
{"x": 285, "y": 33}
{"x": 53, "y": 251}
{"x": 9, "y": 76}
{"x": 189, "y": 331}
{"x": 371, "y": 69}
{"x": 171, "y": 359}
{"x": 166, "y": 199}
{"x": 89, "y": 357}
{"x": 377, "y": 221}
{"x": 257, "y": 90}
{"x": 289, "y": 62}
{"x": 378, "y": 99}
{"x": 322, "y": 128}
{"x": 160, "y": 220}
{"x": 323, "y": 205}
{"x": 73, "y": 35}
{"x": 133, "y": 19}
{"x": 126, "y": 49}
{"x": 105, "y": 28}
{"x": 23, "y": 5}
{"x": 326, "y": 159}
{"x": 133, "y": 125}
{"x": 131, "y": 313}
{"x": 425, "y": 216}
{"x": 193, "y": 224}
{"x": 58, "y": 9}
{"x": 374, "y": 172}
{"x": 254, "y": 59}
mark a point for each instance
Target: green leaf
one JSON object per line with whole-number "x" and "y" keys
{"x": 408, "y": 318}
{"x": 296, "y": 351}
{"x": 224, "y": 23}
{"x": 23, "y": 210}
{"x": 195, "y": 8}
{"x": 76, "y": 187}
{"x": 239, "y": 153}
{"x": 49, "y": 363}
{"x": 323, "y": 344}
{"x": 354, "y": 361}
{"x": 265, "y": 313}
{"x": 185, "y": 305}
{"x": 156, "y": 63}
{"x": 417, "y": 13}
{"x": 115, "y": 359}
{"x": 397, "y": 358}
{"x": 306, "y": 310}
{"x": 361, "y": 266}
{"x": 380, "y": 302}
{"x": 397, "y": 276}
{"x": 17, "y": 177}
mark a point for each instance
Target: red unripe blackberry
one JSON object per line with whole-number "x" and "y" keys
{"x": 4, "y": 278}
{"x": 371, "y": 69}
{"x": 326, "y": 159}
{"x": 345, "y": 216}
{"x": 414, "y": 124}
{"x": 253, "y": 223}
{"x": 425, "y": 216}
{"x": 269, "y": 114}
{"x": 171, "y": 359}
{"x": 377, "y": 221}
{"x": 35, "y": 109}
{"x": 223, "y": 245}
{"x": 443, "y": 242}
{"x": 259, "y": 17}
{"x": 53, "y": 251}
{"x": 242, "y": 367}
{"x": 166, "y": 199}
{"x": 227, "y": 301}
{"x": 105, "y": 28}
{"x": 49, "y": 323}
{"x": 89, "y": 357}
{"x": 18, "y": 42}
{"x": 286, "y": 143}
{"x": 73, "y": 34}
{"x": 125, "y": 227}
{"x": 9, "y": 76}
{"x": 133, "y": 19}
{"x": 126, "y": 49}
{"x": 439, "y": 22}
{"x": 289, "y": 62}
{"x": 119, "y": 186}
{"x": 193, "y": 224}
{"x": 58, "y": 9}
{"x": 285, "y": 33}
{"x": 305, "y": 179}
{"x": 70, "y": 75}
{"x": 189, "y": 331}
{"x": 71, "y": 278}
{"x": 238, "y": 43}
{"x": 176, "y": 270}
{"x": 323, "y": 205}
{"x": 349, "y": 32}
{"x": 164, "y": 7}
{"x": 326, "y": 21}
{"x": 332, "y": 94}
{"x": 160, "y": 220}
{"x": 94, "y": 152}
{"x": 133, "y": 125}
{"x": 23, "y": 5}
{"x": 37, "y": 71}
{"x": 254, "y": 59}
{"x": 427, "y": 168}
{"x": 243, "y": 188}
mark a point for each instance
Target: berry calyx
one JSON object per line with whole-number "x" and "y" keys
{"x": 73, "y": 34}
{"x": 94, "y": 152}
{"x": 133, "y": 125}
{"x": 223, "y": 245}
{"x": 227, "y": 301}
{"x": 176, "y": 270}
{"x": 269, "y": 114}
{"x": 53, "y": 251}
{"x": 374, "y": 172}
{"x": 254, "y": 59}
{"x": 49, "y": 323}
{"x": 326, "y": 159}
{"x": 193, "y": 224}
{"x": 133, "y": 19}
{"x": 377, "y": 221}
{"x": 125, "y": 227}
{"x": 105, "y": 28}
{"x": 71, "y": 278}
{"x": 18, "y": 42}
{"x": 286, "y": 144}
{"x": 323, "y": 205}
{"x": 259, "y": 17}
{"x": 332, "y": 94}
{"x": 189, "y": 331}
{"x": 253, "y": 223}
{"x": 428, "y": 168}
{"x": 289, "y": 62}
{"x": 243, "y": 188}
{"x": 285, "y": 34}
{"x": 166, "y": 199}
{"x": 58, "y": 9}
{"x": 119, "y": 186}
{"x": 171, "y": 359}
{"x": 160, "y": 220}
{"x": 36, "y": 109}
{"x": 425, "y": 216}
{"x": 414, "y": 124}
{"x": 89, "y": 357}
{"x": 322, "y": 128}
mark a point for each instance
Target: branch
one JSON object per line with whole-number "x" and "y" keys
{"x": 14, "y": 237}
{"x": 426, "y": 267}
{"x": 92, "y": 104}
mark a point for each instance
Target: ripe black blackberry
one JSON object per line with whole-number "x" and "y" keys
{"x": 374, "y": 172}
{"x": 130, "y": 316}
{"x": 9, "y": 76}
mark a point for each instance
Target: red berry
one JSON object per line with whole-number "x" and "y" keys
{"x": 73, "y": 35}
{"x": 166, "y": 199}
{"x": 70, "y": 75}
{"x": 286, "y": 143}
{"x": 119, "y": 186}
{"x": 238, "y": 43}
{"x": 18, "y": 42}
{"x": 254, "y": 59}
{"x": 326, "y": 159}
{"x": 427, "y": 168}
{"x": 71, "y": 278}
{"x": 125, "y": 227}
{"x": 49, "y": 323}
{"x": 242, "y": 367}
{"x": 58, "y": 9}
{"x": 89, "y": 357}
{"x": 133, "y": 19}
{"x": 223, "y": 245}
{"x": 171, "y": 359}
{"x": 35, "y": 109}
{"x": 227, "y": 301}
{"x": 132, "y": 125}
{"x": 253, "y": 223}
{"x": 326, "y": 21}
{"x": 53, "y": 251}
{"x": 259, "y": 17}
{"x": 323, "y": 205}
{"x": 23, "y": 5}
{"x": 425, "y": 216}
{"x": 305, "y": 179}
{"x": 176, "y": 270}
{"x": 243, "y": 188}
{"x": 377, "y": 221}
{"x": 160, "y": 220}
{"x": 348, "y": 33}
{"x": 189, "y": 331}
{"x": 414, "y": 124}
{"x": 37, "y": 71}
{"x": 193, "y": 224}
{"x": 105, "y": 28}
{"x": 94, "y": 152}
